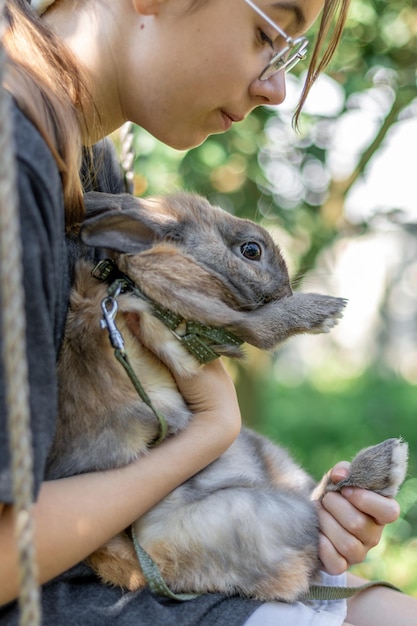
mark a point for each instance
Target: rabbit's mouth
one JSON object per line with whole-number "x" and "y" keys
{"x": 257, "y": 304}
{"x": 259, "y": 300}
{"x": 283, "y": 292}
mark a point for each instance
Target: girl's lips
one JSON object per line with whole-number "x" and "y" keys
{"x": 234, "y": 118}
{"x": 229, "y": 118}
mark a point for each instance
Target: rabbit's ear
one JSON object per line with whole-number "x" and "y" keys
{"x": 123, "y": 223}
{"x": 119, "y": 231}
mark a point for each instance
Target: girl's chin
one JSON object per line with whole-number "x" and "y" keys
{"x": 188, "y": 138}
{"x": 185, "y": 143}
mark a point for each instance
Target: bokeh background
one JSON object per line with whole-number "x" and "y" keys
{"x": 340, "y": 196}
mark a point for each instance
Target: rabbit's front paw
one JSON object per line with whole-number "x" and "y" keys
{"x": 381, "y": 468}
{"x": 317, "y": 313}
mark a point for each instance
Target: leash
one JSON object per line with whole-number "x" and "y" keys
{"x": 158, "y": 586}
{"x": 109, "y": 308}
{"x": 154, "y": 577}
{"x": 323, "y": 592}
{"x": 197, "y": 339}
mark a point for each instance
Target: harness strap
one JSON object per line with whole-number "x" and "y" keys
{"x": 196, "y": 337}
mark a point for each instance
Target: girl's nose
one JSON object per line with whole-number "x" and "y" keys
{"x": 271, "y": 91}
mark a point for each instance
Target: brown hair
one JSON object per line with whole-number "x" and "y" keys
{"x": 332, "y": 20}
{"x": 40, "y": 73}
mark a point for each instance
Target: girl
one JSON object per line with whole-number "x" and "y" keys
{"x": 182, "y": 69}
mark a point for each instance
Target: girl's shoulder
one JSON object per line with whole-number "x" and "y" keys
{"x": 33, "y": 156}
{"x": 39, "y": 188}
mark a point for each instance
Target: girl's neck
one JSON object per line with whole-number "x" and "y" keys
{"x": 92, "y": 33}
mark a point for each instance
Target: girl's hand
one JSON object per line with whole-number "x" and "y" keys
{"x": 351, "y": 523}
{"x": 211, "y": 396}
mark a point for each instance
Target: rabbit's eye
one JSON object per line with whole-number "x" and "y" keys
{"x": 251, "y": 250}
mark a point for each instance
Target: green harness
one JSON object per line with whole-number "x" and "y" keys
{"x": 197, "y": 338}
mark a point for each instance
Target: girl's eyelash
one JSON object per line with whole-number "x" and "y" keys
{"x": 265, "y": 39}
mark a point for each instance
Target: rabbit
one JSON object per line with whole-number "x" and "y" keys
{"x": 246, "y": 524}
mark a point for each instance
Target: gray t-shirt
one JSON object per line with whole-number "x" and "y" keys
{"x": 76, "y": 597}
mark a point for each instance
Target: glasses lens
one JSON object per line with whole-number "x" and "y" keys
{"x": 286, "y": 58}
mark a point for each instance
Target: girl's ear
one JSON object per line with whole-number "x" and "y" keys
{"x": 147, "y": 7}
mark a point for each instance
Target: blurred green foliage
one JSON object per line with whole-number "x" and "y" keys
{"x": 369, "y": 409}
{"x": 319, "y": 426}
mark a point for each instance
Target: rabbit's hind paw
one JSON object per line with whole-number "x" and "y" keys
{"x": 381, "y": 468}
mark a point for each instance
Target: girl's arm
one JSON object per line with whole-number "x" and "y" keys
{"x": 74, "y": 516}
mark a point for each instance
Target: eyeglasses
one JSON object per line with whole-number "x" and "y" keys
{"x": 286, "y": 58}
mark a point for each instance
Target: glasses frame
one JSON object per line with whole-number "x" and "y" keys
{"x": 283, "y": 59}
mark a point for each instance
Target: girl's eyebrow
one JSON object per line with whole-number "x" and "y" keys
{"x": 300, "y": 19}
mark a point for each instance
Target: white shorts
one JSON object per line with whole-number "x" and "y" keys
{"x": 311, "y": 613}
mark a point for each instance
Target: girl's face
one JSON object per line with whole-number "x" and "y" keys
{"x": 181, "y": 69}
{"x": 193, "y": 73}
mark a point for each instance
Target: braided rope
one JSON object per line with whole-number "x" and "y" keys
{"x": 127, "y": 155}
{"x": 15, "y": 364}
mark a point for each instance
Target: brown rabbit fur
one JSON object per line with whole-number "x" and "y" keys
{"x": 245, "y": 524}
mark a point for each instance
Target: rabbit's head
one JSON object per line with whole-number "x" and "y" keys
{"x": 203, "y": 245}
{"x": 206, "y": 265}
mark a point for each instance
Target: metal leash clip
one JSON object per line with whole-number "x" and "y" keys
{"x": 110, "y": 307}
